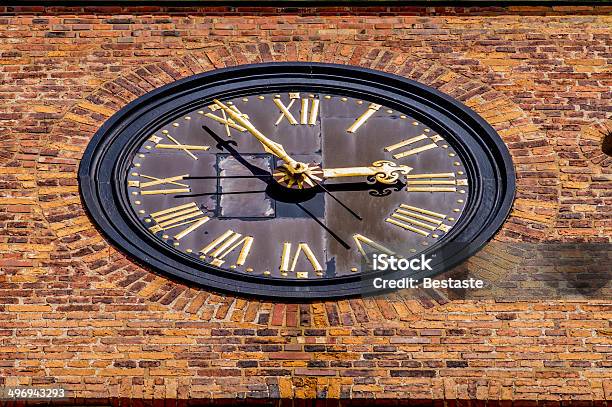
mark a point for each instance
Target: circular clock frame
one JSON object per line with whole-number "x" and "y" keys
{"x": 104, "y": 165}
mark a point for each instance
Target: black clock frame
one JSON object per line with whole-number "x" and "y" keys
{"x": 103, "y": 169}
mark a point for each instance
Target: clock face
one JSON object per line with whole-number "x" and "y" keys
{"x": 349, "y": 177}
{"x": 284, "y": 179}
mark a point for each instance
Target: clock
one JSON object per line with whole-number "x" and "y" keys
{"x": 283, "y": 180}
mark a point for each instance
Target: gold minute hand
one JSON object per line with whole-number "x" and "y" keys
{"x": 386, "y": 172}
{"x": 269, "y": 145}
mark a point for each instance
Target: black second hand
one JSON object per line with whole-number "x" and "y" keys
{"x": 331, "y": 232}
{"x": 228, "y": 176}
{"x": 218, "y": 193}
{"x": 334, "y": 198}
{"x": 262, "y": 175}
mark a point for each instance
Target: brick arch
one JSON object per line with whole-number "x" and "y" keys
{"x": 586, "y": 178}
{"x": 108, "y": 269}
{"x": 590, "y": 143}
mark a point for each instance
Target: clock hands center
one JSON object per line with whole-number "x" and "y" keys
{"x": 385, "y": 172}
{"x": 267, "y": 178}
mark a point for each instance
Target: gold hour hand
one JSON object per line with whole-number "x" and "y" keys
{"x": 386, "y": 172}
{"x": 269, "y": 145}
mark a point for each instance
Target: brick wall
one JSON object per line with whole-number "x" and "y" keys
{"x": 76, "y": 312}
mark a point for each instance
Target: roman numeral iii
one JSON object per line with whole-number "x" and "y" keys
{"x": 309, "y": 110}
{"x": 223, "y": 245}
{"x": 188, "y": 215}
{"x": 435, "y": 182}
{"x": 418, "y": 220}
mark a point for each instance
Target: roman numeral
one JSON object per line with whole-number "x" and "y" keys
{"x": 436, "y": 182}
{"x": 289, "y": 261}
{"x": 418, "y": 220}
{"x": 308, "y": 112}
{"x": 223, "y": 119}
{"x": 160, "y": 181}
{"x": 361, "y": 240}
{"x": 431, "y": 143}
{"x": 187, "y": 214}
{"x": 177, "y": 146}
{"x": 225, "y": 244}
{"x": 373, "y": 108}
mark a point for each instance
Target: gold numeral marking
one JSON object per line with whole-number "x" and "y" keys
{"x": 361, "y": 240}
{"x": 224, "y": 120}
{"x": 373, "y": 108}
{"x": 177, "y": 145}
{"x": 165, "y": 191}
{"x": 155, "y": 139}
{"x": 418, "y": 220}
{"x": 225, "y": 244}
{"x": 415, "y": 150}
{"x": 183, "y": 147}
{"x": 309, "y": 110}
{"x": 437, "y": 182}
{"x": 160, "y": 181}
{"x": 187, "y": 214}
{"x": 287, "y": 264}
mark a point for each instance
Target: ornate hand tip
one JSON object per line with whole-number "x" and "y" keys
{"x": 389, "y": 172}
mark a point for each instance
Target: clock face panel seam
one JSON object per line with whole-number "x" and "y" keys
{"x": 176, "y": 264}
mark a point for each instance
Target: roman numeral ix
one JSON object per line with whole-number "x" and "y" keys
{"x": 160, "y": 181}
